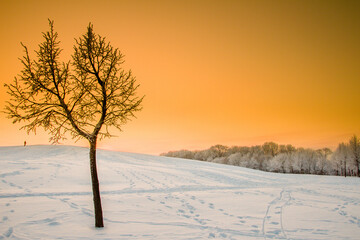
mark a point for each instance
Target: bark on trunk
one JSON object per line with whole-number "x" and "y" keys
{"x": 95, "y": 186}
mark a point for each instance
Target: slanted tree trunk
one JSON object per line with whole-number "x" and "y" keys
{"x": 95, "y": 185}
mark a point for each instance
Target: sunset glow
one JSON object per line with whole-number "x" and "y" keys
{"x": 213, "y": 72}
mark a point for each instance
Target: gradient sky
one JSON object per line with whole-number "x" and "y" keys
{"x": 213, "y": 72}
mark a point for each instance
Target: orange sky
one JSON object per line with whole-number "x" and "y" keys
{"x": 227, "y": 72}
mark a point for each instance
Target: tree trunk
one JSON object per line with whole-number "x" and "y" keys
{"x": 95, "y": 186}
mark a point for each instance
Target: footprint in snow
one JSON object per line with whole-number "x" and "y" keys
{"x": 199, "y": 221}
{"x": 150, "y": 199}
{"x": 8, "y": 232}
{"x": 54, "y": 224}
{"x": 342, "y": 213}
{"x": 223, "y": 235}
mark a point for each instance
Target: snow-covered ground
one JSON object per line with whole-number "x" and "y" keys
{"x": 45, "y": 193}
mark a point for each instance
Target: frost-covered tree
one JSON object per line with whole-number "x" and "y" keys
{"x": 301, "y": 161}
{"x": 280, "y": 158}
{"x": 337, "y": 160}
{"x": 180, "y": 154}
{"x": 321, "y": 165}
{"x": 277, "y": 163}
{"x": 200, "y": 155}
{"x": 83, "y": 97}
{"x": 344, "y": 152}
{"x": 235, "y": 159}
{"x": 286, "y": 148}
{"x": 270, "y": 148}
{"x": 218, "y": 151}
{"x": 354, "y": 146}
{"x": 325, "y": 152}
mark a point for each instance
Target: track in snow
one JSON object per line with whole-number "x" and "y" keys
{"x": 45, "y": 193}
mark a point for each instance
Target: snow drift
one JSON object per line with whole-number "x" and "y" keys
{"x": 45, "y": 193}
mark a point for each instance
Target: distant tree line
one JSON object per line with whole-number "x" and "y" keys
{"x": 272, "y": 157}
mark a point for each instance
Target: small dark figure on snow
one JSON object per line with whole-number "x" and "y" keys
{"x": 24, "y": 143}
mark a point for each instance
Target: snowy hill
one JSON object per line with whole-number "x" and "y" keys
{"x": 45, "y": 193}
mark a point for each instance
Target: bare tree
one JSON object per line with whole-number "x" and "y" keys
{"x": 83, "y": 97}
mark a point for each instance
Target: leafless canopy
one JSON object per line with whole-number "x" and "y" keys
{"x": 83, "y": 97}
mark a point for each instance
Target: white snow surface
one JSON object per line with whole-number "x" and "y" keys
{"x": 45, "y": 193}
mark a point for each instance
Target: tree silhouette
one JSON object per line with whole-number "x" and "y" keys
{"x": 83, "y": 97}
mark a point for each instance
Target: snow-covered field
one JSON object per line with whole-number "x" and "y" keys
{"x": 45, "y": 193}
